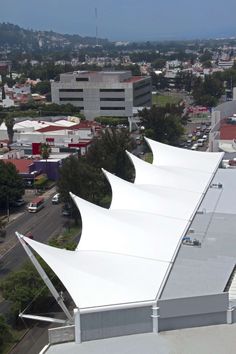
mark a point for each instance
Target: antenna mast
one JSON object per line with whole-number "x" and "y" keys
{"x": 96, "y": 21}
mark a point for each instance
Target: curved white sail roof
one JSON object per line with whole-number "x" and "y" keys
{"x": 167, "y": 155}
{"x": 160, "y": 200}
{"x": 125, "y": 252}
{"x": 169, "y": 176}
{"x": 128, "y": 232}
{"x": 101, "y": 278}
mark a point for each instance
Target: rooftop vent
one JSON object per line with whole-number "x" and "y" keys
{"x": 187, "y": 241}
{"x": 216, "y": 185}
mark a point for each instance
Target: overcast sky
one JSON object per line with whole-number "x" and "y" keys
{"x": 125, "y": 19}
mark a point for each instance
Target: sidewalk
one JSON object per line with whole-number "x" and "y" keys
{"x": 11, "y": 240}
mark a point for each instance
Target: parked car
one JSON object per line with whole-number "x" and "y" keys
{"x": 18, "y": 202}
{"x": 66, "y": 210}
{"x": 56, "y": 199}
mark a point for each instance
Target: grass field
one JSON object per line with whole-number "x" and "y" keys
{"x": 162, "y": 100}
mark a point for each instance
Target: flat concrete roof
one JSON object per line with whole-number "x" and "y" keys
{"x": 207, "y": 269}
{"x": 213, "y": 339}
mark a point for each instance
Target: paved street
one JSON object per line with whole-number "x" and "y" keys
{"x": 44, "y": 224}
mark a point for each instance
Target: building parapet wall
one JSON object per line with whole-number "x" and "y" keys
{"x": 61, "y": 334}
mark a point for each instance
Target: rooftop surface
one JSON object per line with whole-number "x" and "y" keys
{"x": 205, "y": 340}
{"x": 227, "y": 131}
{"x": 22, "y": 165}
{"x": 207, "y": 269}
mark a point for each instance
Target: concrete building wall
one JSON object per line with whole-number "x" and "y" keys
{"x": 118, "y": 87}
{"x": 226, "y": 109}
{"x": 174, "y": 314}
{"x": 193, "y": 311}
{"x": 59, "y": 139}
{"x": 116, "y": 323}
{"x": 168, "y": 324}
{"x": 234, "y": 94}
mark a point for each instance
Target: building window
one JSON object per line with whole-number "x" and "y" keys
{"x": 70, "y": 90}
{"x": 112, "y": 99}
{"x": 112, "y": 90}
{"x": 112, "y": 108}
{"x": 82, "y": 79}
{"x": 71, "y": 99}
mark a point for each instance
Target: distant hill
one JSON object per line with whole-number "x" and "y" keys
{"x": 15, "y": 37}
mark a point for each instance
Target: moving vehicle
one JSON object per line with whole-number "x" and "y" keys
{"x": 36, "y": 205}
{"x": 56, "y": 199}
{"x": 200, "y": 142}
{"x": 194, "y": 147}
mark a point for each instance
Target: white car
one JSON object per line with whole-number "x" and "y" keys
{"x": 194, "y": 147}
{"x": 56, "y": 199}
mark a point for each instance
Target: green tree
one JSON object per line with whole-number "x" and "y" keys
{"x": 2, "y": 229}
{"x": 42, "y": 87}
{"x": 108, "y": 151}
{"x": 82, "y": 179}
{"x": 11, "y": 184}
{"x": 159, "y": 63}
{"x": 207, "y": 92}
{"x": 163, "y": 123}
{"x": 5, "y": 332}
{"x": 22, "y": 286}
{"x": 9, "y": 121}
{"x": 45, "y": 150}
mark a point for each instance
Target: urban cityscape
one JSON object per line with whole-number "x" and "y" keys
{"x": 117, "y": 179}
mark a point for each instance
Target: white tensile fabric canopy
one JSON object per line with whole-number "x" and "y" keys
{"x": 170, "y": 176}
{"x": 166, "y": 155}
{"x": 125, "y": 252}
{"x": 151, "y": 198}
{"x": 102, "y": 278}
{"x": 128, "y": 232}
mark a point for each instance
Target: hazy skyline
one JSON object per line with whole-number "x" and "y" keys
{"x": 125, "y": 19}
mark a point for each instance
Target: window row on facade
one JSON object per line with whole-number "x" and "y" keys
{"x": 71, "y": 99}
{"x": 71, "y": 90}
